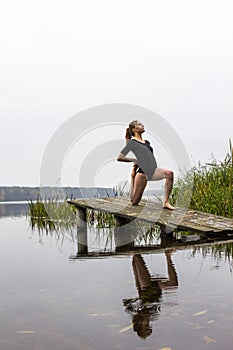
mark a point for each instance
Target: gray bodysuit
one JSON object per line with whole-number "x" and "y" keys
{"x": 144, "y": 154}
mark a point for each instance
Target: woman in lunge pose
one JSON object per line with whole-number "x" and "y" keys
{"x": 145, "y": 166}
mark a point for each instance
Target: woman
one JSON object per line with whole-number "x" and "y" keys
{"x": 146, "y": 307}
{"x": 145, "y": 166}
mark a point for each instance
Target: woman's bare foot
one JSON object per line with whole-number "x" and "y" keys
{"x": 167, "y": 205}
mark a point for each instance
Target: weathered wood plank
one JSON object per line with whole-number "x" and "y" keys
{"x": 180, "y": 218}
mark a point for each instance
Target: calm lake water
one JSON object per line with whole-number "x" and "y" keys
{"x": 48, "y": 301}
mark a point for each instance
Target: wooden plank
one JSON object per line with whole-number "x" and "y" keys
{"x": 180, "y": 218}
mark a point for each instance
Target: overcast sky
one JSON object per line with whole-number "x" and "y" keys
{"x": 61, "y": 57}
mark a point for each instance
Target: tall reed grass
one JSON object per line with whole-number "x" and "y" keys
{"x": 211, "y": 187}
{"x": 121, "y": 189}
{"x": 52, "y": 215}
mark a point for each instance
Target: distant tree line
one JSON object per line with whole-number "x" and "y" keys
{"x": 17, "y": 193}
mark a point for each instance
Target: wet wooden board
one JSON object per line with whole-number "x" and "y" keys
{"x": 180, "y": 218}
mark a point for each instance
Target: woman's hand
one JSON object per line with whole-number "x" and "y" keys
{"x": 134, "y": 170}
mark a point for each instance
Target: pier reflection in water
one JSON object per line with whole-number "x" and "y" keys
{"x": 135, "y": 239}
{"x": 147, "y": 296}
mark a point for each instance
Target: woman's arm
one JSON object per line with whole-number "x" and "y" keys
{"x": 123, "y": 158}
{"x": 122, "y": 155}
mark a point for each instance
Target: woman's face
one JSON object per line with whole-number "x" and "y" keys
{"x": 139, "y": 127}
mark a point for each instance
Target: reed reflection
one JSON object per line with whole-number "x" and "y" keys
{"x": 145, "y": 308}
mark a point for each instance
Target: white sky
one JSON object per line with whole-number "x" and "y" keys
{"x": 61, "y": 57}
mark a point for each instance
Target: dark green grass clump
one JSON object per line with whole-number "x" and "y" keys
{"x": 208, "y": 187}
{"x": 52, "y": 215}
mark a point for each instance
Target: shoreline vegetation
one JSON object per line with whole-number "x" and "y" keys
{"x": 208, "y": 187}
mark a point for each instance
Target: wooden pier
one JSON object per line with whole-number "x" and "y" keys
{"x": 207, "y": 228}
{"x": 170, "y": 220}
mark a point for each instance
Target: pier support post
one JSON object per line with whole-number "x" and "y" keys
{"x": 166, "y": 235}
{"x": 124, "y": 234}
{"x": 82, "y": 230}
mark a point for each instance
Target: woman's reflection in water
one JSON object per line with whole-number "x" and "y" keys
{"x": 146, "y": 306}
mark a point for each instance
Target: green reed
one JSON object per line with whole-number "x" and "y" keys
{"x": 121, "y": 190}
{"x": 52, "y": 215}
{"x": 100, "y": 219}
{"x": 208, "y": 187}
{"x": 218, "y": 252}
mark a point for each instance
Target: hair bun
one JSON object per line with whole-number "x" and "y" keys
{"x": 128, "y": 134}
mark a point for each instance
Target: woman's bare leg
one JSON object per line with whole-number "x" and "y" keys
{"x": 133, "y": 174}
{"x": 140, "y": 182}
{"x": 168, "y": 175}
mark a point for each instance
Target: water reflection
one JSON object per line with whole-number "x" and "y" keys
{"x": 13, "y": 209}
{"x": 86, "y": 310}
{"x": 145, "y": 308}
